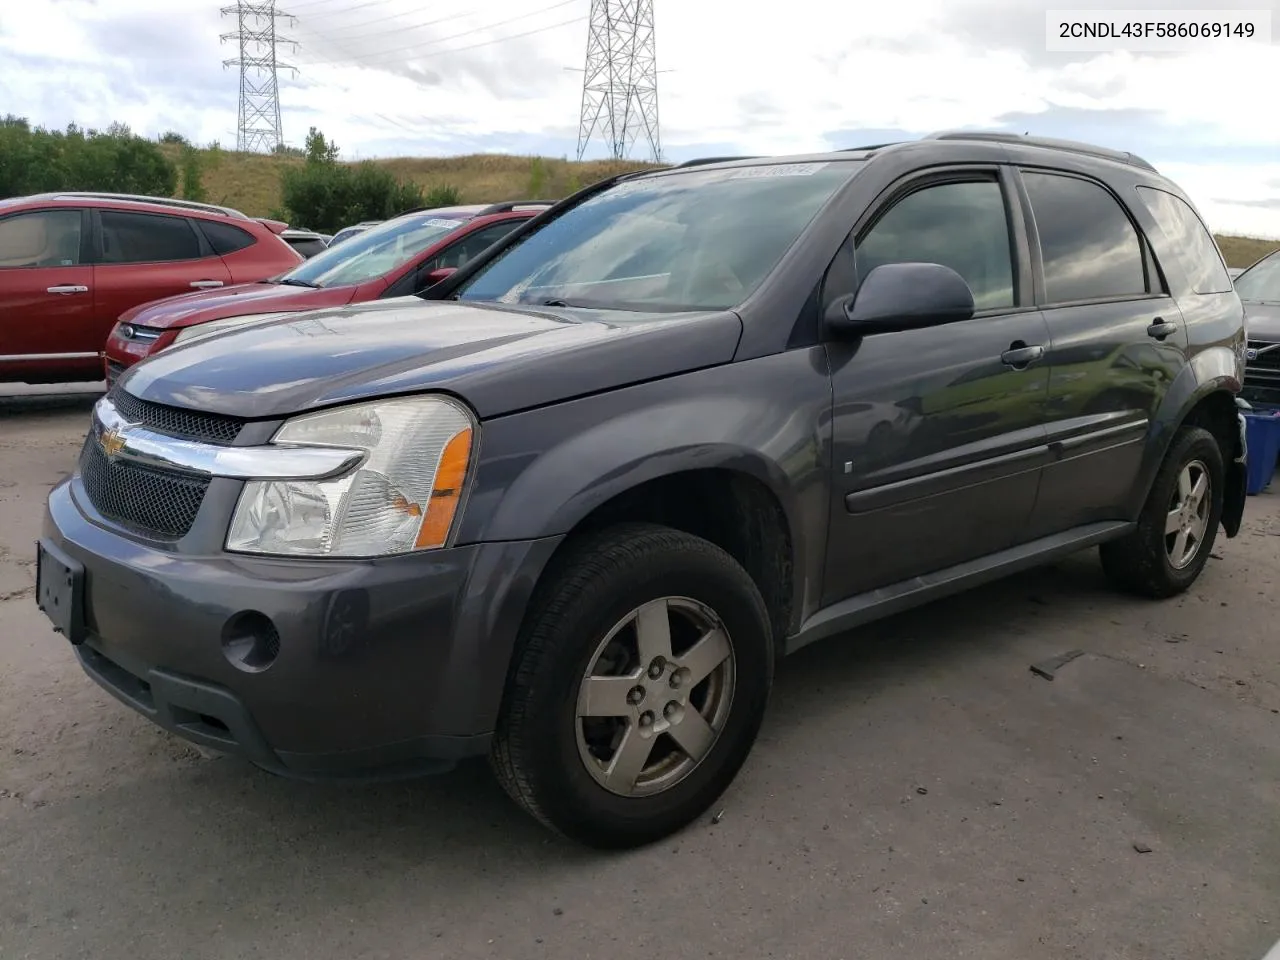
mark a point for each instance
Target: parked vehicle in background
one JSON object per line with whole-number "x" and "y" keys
{"x": 71, "y": 263}
{"x": 396, "y": 258}
{"x": 1259, "y": 290}
{"x": 570, "y": 511}
{"x": 346, "y": 233}
{"x": 306, "y": 242}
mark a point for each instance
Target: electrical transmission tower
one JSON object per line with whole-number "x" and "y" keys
{"x": 620, "y": 83}
{"x": 258, "y": 124}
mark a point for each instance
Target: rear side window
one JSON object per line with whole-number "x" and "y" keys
{"x": 959, "y": 225}
{"x": 224, "y": 238}
{"x": 1191, "y": 242}
{"x": 146, "y": 238}
{"x": 1091, "y": 249}
{"x": 43, "y": 238}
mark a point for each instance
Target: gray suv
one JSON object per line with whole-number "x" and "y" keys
{"x": 570, "y": 511}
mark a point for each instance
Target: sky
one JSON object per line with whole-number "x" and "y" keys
{"x": 414, "y": 78}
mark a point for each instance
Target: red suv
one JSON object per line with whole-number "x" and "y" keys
{"x": 395, "y": 258}
{"x": 71, "y": 263}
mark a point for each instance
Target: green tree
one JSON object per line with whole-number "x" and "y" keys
{"x": 192, "y": 175}
{"x": 35, "y": 160}
{"x": 318, "y": 150}
{"x": 537, "y": 178}
{"x": 325, "y": 195}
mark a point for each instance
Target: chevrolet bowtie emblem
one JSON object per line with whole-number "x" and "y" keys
{"x": 112, "y": 442}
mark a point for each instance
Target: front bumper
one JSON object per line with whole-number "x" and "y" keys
{"x": 384, "y": 667}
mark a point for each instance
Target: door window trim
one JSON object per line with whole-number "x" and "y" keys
{"x": 86, "y": 242}
{"x": 1153, "y": 274}
{"x": 923, "y": 179}
{"x": 203, "y": 245}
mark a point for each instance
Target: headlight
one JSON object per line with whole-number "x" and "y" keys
{"x": 217, "y": 326}
{"x": 403, "y": 496}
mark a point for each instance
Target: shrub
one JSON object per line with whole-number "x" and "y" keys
{"x": 35, "y": 160}
{"x": 324, "y": 194}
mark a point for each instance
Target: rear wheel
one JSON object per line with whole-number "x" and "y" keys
{"x": 638, "y": 689}
{"x": 1164, "y": 555}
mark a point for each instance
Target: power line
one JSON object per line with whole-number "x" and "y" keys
{"x": 258, "y": 127}
{"x": 620, "y": 80}
{"x": 382, "y": 54}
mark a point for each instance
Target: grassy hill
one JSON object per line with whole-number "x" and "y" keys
{"x": 252, "y": 183}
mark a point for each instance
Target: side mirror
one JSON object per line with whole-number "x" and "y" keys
{"x": 435, "y": 276}
{"x": 902, "y": 296}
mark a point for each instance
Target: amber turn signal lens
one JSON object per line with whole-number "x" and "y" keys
{"x": 447, "y": 491}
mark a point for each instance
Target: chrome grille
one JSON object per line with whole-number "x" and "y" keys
{"x": 1262, "y": 373}
{"x": 176, "y": 422}
{"x": 151, "y": 502}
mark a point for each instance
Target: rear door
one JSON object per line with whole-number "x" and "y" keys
{"x": 46, "y": 300}
{"x": 938, "y": 434}
{"x": 148, "y": 256}
{"x": 1117, "y": 342}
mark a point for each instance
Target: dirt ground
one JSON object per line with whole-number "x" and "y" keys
{"x": 917, "y": 792}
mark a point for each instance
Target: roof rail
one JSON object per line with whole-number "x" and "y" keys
{"x": 700, "y": 161}
{"x": 159, "y": 201}
{"x": 1051, "y": 143}
{"x": 872, "y": 146}
{"x": 508, "y": 205}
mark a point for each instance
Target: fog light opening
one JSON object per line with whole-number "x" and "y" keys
{"x": 250, "y": 641}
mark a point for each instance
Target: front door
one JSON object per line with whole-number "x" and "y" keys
{"x": 46, "y": 299}
{"x": 1117, "y": 343}
{"x": 938, "y": 434}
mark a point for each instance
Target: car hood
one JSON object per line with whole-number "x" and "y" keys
{"x": 202, "y": 306}
{"x": 499, "y": 358}
{"x": 1262, "y": 320}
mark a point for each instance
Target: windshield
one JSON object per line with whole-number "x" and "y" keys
{"x": 373, "y": 252}
{"x": 1261, "y": 281}
{"x": 695, "y": 240}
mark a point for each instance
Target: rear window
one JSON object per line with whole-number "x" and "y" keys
{"x": 1192, "y": 244}
{"x": 224, "y": 238}
{"x": 307, "y": 246}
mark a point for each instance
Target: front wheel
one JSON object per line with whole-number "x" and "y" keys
{"x": 1164, "y": 555}
{"x": 638, "y": 689}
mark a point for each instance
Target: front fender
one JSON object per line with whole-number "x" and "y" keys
{"x": 546, "y": 470}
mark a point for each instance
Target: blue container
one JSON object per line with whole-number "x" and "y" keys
{"x": 1262, "y": 433}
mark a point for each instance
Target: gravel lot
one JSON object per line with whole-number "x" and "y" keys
{"x": 917, "y": 792}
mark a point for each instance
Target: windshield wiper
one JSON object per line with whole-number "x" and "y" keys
{"x": 557, "y": 302}
{"x": 295, "y": 282}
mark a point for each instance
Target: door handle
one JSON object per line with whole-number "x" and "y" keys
{"x": 68, "y": 288}
{"x": 1161, "y": 328}
{"x": 1020, "y": 355}
{"x": 205, "y": 284}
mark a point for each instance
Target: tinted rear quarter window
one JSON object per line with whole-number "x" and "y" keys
{"x": 146, "y": 238}
{"x": 224, "y": 238}
{"x": 1091, "y": 250}
{"x": 1191, "y": 242}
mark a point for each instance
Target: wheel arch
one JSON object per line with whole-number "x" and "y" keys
{"x": 1203, "y": 395}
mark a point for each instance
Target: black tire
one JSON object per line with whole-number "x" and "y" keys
{"x": 594, "y": 586}
{"x": 1140, "y": 562}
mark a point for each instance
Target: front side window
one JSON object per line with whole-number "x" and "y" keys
{"x": 1091, "y": 250}
{"x": 374, "y": 252}
{"x": 1190, "y": 241}
{"x": 687, "y": 240}
{"x": 43, "y": 238}
{"x": 146, "y": 238}
{"x": 471, "y": 246}
{"x": 961, "y": 225}
{"x": 1261, "y": 281}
